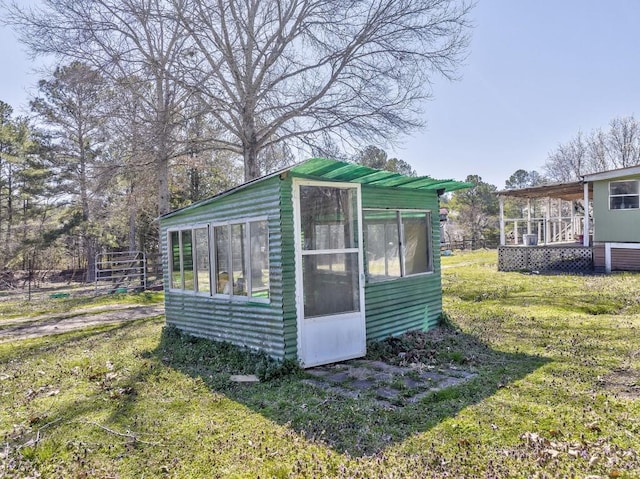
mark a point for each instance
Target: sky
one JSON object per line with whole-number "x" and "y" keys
{"x": 537, "y": 72}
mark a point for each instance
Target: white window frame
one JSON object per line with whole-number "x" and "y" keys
{"x": 398, "y": 214}
{"x": 637, "y": 195}
{"x": 212, "y": 259}
{"x": 247, "y": 259}
{"x": 179, "y": 230}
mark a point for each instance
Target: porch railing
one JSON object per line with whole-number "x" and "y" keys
{"x": 563, "y": 229}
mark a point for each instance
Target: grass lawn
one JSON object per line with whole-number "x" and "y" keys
{"x": 557, "y": 394}
{"x": 72, "y": 304}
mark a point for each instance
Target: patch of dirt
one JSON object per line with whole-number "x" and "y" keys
{"x": 37, "y": 326}
{"x": 624, "y": 382}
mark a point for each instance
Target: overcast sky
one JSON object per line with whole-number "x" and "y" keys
{"x": 538, "y": 72}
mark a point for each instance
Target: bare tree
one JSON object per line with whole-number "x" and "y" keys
{"x": 566, "y": 163}
{"x": 624, "y": 141}
{"x": 134, "y": 43}
{"x": 597, "y": 156}
{"x": 294, "y": 71}
{"x": 601, "y": 150}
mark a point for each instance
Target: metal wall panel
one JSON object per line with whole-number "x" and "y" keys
{"x": 411, "y": 303}
{"x": 245, "y": 323}
{"x": 392, "y": 307}
{"x": 288, "y": 269}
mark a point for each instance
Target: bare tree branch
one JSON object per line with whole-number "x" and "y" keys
{"x": 288, "y": 70}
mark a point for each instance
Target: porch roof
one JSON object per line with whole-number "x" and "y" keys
{"x": 565, "y": 191}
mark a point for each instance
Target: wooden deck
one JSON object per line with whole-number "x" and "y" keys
{"x": 561, "y": 257}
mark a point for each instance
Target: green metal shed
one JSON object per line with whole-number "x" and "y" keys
{"x": 309, "y": 262}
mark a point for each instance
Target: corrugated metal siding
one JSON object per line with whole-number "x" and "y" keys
{"x": 411, "y": 303}
{"x": 255, "y": 325}
{"x": 288, "y": 269}
{"x": 392, "y": 307}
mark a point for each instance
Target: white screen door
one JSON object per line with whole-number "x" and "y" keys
{"x": 329, "y": 290}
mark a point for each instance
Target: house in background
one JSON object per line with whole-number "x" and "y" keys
{"x": 616, "y": 219}
{"x": 564, "y": 238}
{"x": 309, "y": 262}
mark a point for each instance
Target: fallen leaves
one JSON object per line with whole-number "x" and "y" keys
{"x": 599, "y": 452}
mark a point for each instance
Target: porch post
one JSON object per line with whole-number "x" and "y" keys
{"x": 502, "y": 237}
{"x": 572, "y": 231}
{"x": 528, "y": 216}
{"x": 585, "y": 236}
{"x": 547, "y": 223}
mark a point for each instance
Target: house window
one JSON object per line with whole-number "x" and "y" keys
{"x": 624, "y": 195}
{"x": 190, "y": 259}
{"x": 242, "y": 260}
{"x": 397, "y": 243}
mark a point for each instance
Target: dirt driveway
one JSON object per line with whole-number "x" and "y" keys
{"x": 36, "y": 326}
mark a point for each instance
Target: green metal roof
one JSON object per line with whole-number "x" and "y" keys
{"x": 341, "y": 171}
{"x": 333, "y": 170}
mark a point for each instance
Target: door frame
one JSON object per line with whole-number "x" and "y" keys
{"x": 297, "y": 226}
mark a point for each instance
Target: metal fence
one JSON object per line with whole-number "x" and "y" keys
{"x": 469, "y": 244}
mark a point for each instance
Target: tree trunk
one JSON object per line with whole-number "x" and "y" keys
{"x": 90, "y": 256}
{"x": 8, "y": 243}
{"x": 132, "y": 219}
{"x": 162, "y": 170}
{"x": 251, "y": 166}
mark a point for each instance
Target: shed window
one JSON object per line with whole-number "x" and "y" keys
{"x": 259, "y": 261}
{"x": 233, "y": 261}
{"x": 203, "y": 270}
{"x": 397, "y": 243}
{"x": 187, "y": 260}
{"x": 190, "y": 259}
{"x": 242, "y": 259}
{"x": 238, "y": 259}
{"x": 176, "y": 263}
{"x": 624, "y": 195}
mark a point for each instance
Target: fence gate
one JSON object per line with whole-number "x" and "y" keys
{"x": 121, "y": 271}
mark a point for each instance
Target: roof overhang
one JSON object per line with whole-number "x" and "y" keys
{"x": 565, "y": 191}
{"x": 324, "y": 169}
{"x": 611, "y": 174}
{"x": 333, "y": 170}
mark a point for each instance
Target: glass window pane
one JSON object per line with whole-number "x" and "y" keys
{"x": 623, "y": 202}
{"x": 330, "y": 284}
{"x": 417, "y": 242}
{"x": 202, "y": 259}
{"x": 187, "y": 260}
{"x": 238, "y": 260}
{"x": 223, "y": 286}
{"x": 174, "y": 247}
{"x": 328, "y": 217}
{"x": 381, "y": 243}
{"x": 259, "y": 241}
{"x": 623, "y": 188}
